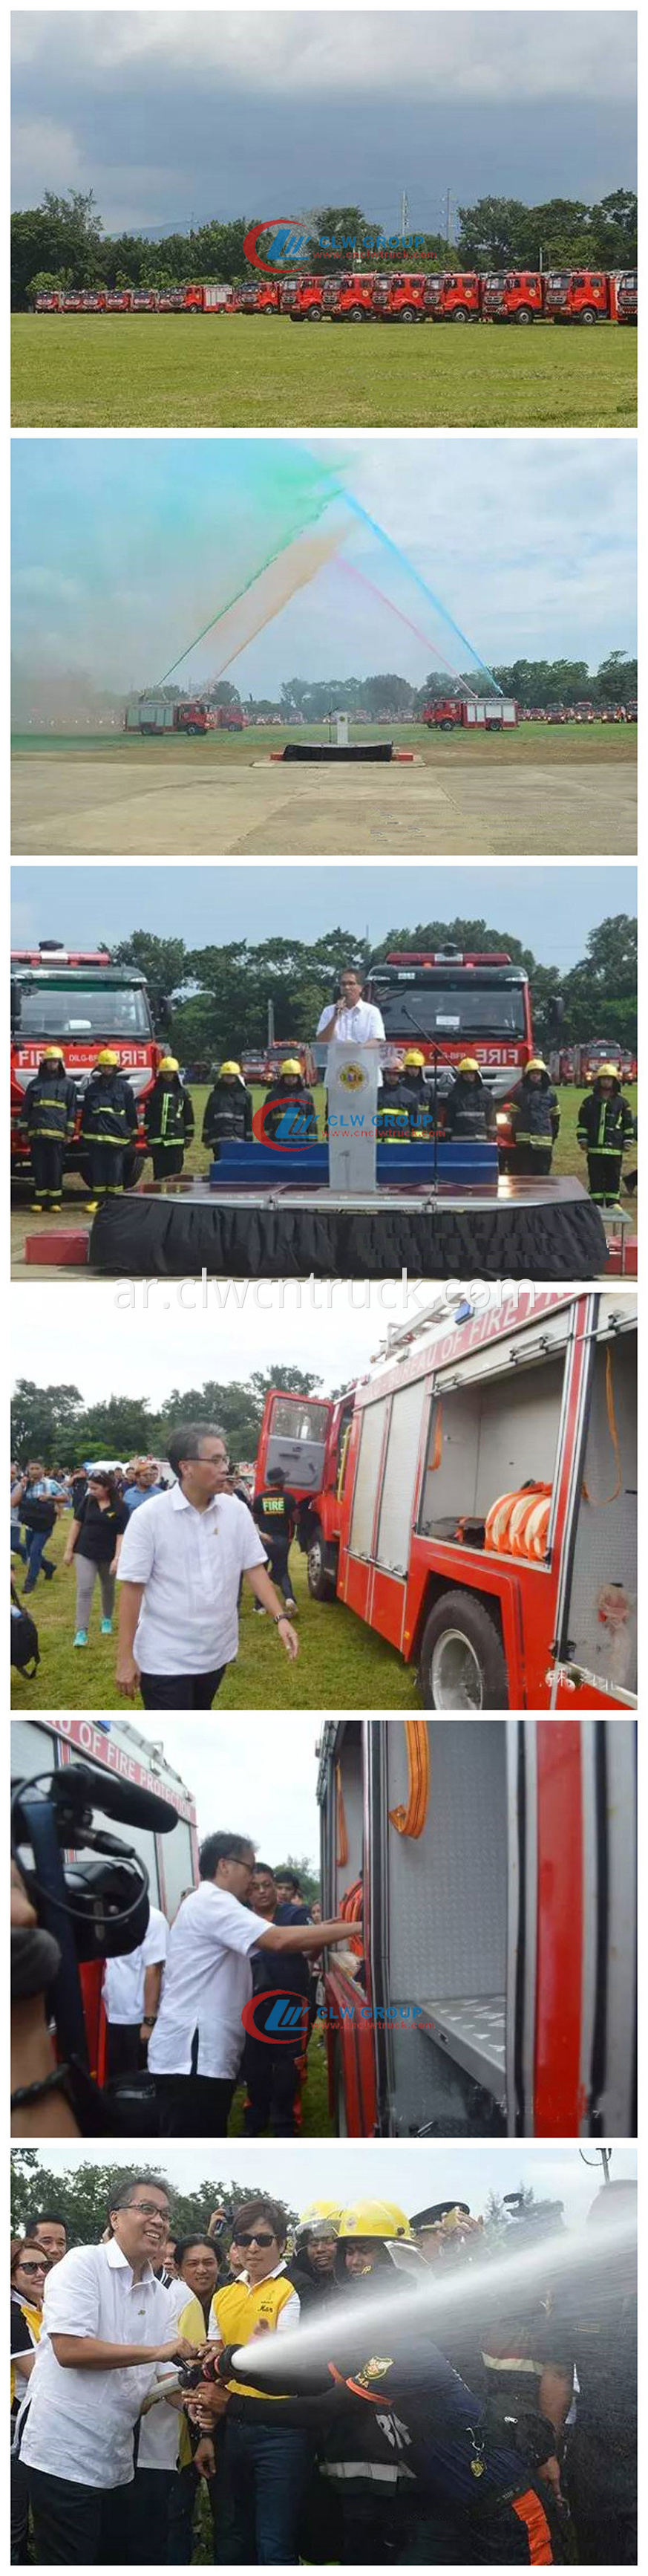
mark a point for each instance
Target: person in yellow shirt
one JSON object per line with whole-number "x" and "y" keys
{"x": 268, "y": 2457}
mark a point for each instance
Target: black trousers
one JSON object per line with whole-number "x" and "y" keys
{"x": 194, "y": 2106}
{"x": 19, "y": 2512}
{"x": 47, "y": 1165}
{"x": 272, "y": 2080}
{"x": 126, "y": 2052}
{"x": 148, "y": 2520}
{"x": 278, "y": 1566}
{"x": 180, "y": 1690}
{"x": 534, "y": 1161}
{"x": 77, "y": 2526}
{"x": 166, "y": 1159}
{"x": 106, "y": 1169}
{"x": 604, "y": 1176}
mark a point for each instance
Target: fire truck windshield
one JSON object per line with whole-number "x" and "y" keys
{"x": 559, "y": 277}
{"x": 465, "y": 1010}
{"x": 294, "y": 1421}
{"x": 62, "y": 1007}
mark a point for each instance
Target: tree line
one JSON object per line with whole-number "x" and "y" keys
{"x": 233, "y": 984}
{"x": 61, "y": 244}
{"x": 82, "y": 2194}
{"x": 383, "y": 697}
{"x": 52, "y": 1423}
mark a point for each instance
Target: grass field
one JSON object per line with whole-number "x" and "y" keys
{"x": 133, "y": 371}
{"x": 524, "y": 743}
{"x": 341, "y": 1664}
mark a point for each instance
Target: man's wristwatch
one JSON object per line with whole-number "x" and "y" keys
{"x": 149, "y": 2021}
{"x": 278, "y": 1615}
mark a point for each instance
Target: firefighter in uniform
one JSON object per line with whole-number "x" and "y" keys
{"x": 289, "y": 1087}
{"x": 108, "y": 1120}
{"x": 419, "y": 1092}
{"x": 275, "y": 1510}
{"x": 605, "y": 1126}
{"x": 404, "y": 1101}
{"x": 168, "y": 1119}
{"x": 48, "y": 1118}
{"x": 415, "y": 2474}
{"x": 228, "y": 1111}
{"x": 469, "y": 1109}
{"x": 535, "y": 1120}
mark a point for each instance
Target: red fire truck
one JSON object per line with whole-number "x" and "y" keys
{"x": 79, "y": 998}
{"x": 301, "y": 298}
{"x": 580, "y": 295}
{"x": 626, "y": 296}
{"x": 456, "y": 298}
{"x": 227, "y": 720}
{"x": 490, "y": 715}
{"x": 454, "y": 1001}
{"x": 151, "y": 715}
{"x": 260, "y": 299}
{"x": 517, "y": 296}
{"x": 493, "y": 1864}
{"x": 400, "y": 298}
{"x": 40, "y": 1746}
{"x": 473, "y": 1499}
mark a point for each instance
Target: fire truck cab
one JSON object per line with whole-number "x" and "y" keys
{"x": 79, "y": 998}
{"x": 350, "y": 296}
{"x": 455, "y": 298}
{"x": 400, "y": 298}
{"x": 493, "y": 1865}
{"x": 580, "y": 295}
{"x": 626, "y": 296}
{"x": 448, "y": 1002}
{"x": 260, "y": 299}
{"x": 302, "y": 298}
{"x": 518, "y": 296}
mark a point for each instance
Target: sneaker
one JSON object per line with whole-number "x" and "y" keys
{"x": 106, "y": 1628}
{"x": 259, "y": 1611}
{"x": 290, "y": 1604}
{"x": 91, "y": 1207}
{"x": 49, "y": 1572}
{"x": 81, "y": 1638}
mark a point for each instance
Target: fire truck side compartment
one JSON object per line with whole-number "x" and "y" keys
{"x": 447, "y": 1912}
{"x": 493, "y": 1441}
{"x": 605, "y": 1548}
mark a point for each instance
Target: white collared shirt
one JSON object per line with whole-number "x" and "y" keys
{"x": 191, "y": 1565}
{"x": 160, "y": 2430}
{"x": 123, "y": 1978}
{"x": 355, "y": 1028}
{"x": 79, "y": 2424}
{"x": 208, "y": 1979}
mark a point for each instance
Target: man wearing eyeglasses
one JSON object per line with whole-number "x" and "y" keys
{"x": 268, "y": 2459}
{"x": 180, "y": 1570}
{"x": 107, "y": 2323}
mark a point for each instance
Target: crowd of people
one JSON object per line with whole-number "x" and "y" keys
{"x": 402, "y": 2429}
{"x": 410, "y": 1109}
{"x": 180, "y": 1592}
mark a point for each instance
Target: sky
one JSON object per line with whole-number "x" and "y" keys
{"x": 243, "y": 1788}
{"x": 94, "y": 1343}
{"x": 174, "y": 115}
{"x": 125, "y": 550}
{"x": 412, "y": 2174}
{"x": 88, "y": 905}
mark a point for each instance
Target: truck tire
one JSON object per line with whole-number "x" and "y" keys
{"x": 408, "y": 314}
{"x": 461, "y": 1661}
{"x": 524, "y": 314}
{"x": 446, "y": 725}
{"x": 321, "y": 1568}
{"x": 295, "y": 317}
{"x": 588, "y": 315}
{"x": 460, "y": 315}
{"x": 314, "y": 313}
{"x": 356, "y": 313}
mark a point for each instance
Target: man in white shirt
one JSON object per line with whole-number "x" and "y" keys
{"x": 107, "y": 2323}
{"x": 351, "y": 1019}
{"x": 131, "y": 1990}
{"x": 180, "y": 1572}
{"x": 197, "y": 2045}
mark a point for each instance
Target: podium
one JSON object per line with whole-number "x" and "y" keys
{"x": 352, "y": 1096}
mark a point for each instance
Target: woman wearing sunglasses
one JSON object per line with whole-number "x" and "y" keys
{"x": 268, "y": 2459}
{"x": 28, "y": 2269}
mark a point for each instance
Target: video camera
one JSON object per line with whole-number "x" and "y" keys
{"x": 94, "y": 1908}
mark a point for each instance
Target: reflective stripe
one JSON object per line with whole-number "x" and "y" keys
{"x": 383, "y": 2476}
{"x": 530, "y": 2511}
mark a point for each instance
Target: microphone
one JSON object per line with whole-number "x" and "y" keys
{"x": 76, "y": 1786}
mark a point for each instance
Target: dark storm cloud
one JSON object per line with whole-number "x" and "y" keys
{"x": 169, "y": 117}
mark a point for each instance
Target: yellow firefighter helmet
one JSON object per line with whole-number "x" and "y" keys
{"x": 168, "y": 1064}
{"x": 468, "y": 1064}
{"x": 290, "y": 1065}
{"x": 381, "y": 2218}
{"x": 230, "y": 1067}
{"x": 108, "y": 1056}
{"x": 415, "y": 1058}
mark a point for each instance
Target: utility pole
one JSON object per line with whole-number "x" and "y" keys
{"x": 448, "y": 220}
{"x": 404, "y": 214}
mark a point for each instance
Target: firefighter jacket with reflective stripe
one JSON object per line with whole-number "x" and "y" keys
{"x": 109, "y": 1114}
{"x": 228, "y": 1112}
{"x": 285, "y": 1100}
{"x": 534, "y": 1112}
{"x": 404, "y": 1109}
{"x": 469, "y": 1111}
{"x": 168, "y": 1114}
{"x": 605, "y": 1126}
{"x": 50, "y": 1107}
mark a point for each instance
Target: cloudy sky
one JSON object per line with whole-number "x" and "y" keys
{"x": 170, "y": 115}
{"x": 345, "y": 556}
{"x": 241, "y": 1787}
{"x": 97, "y": 1341}
{"x": 412, "y": 2174}
{"x": 203, "y": 903}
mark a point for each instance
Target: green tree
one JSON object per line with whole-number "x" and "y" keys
{"x": 44, "y": 1421}
{"x": 164, "y": 962}
{"x": 83, "y": 2194}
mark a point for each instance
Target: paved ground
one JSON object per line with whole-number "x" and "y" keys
{"x": 95, "y": 806}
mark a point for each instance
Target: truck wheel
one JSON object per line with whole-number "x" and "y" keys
{"x": 295, "y": 317}
{"x": 460, "y": 315}
{"x": 589, "y": 315}
{"x": 314, "y": 313}
{"x": 408, "y": 314}
{"x": 321, "y": 1568}
{"x": 461, "y": 1663}
{"x": 446, "y": 725}
{"x": 356, "y": 313}
{"x": 524, "y": 314}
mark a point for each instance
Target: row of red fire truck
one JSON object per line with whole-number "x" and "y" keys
{"x": 493, "y": 1866}
{"x": 360, "y": 295}
{"x": 473, "y": 1497}
{"x": 155, "y": 715}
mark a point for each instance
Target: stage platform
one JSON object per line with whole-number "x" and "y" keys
{"x": 547, "y": 1231}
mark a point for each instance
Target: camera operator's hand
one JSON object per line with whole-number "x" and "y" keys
{"x": 204, "y": 2458}
{"x": 33, "y": 2058}
{"x": 127, "y": 1675}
